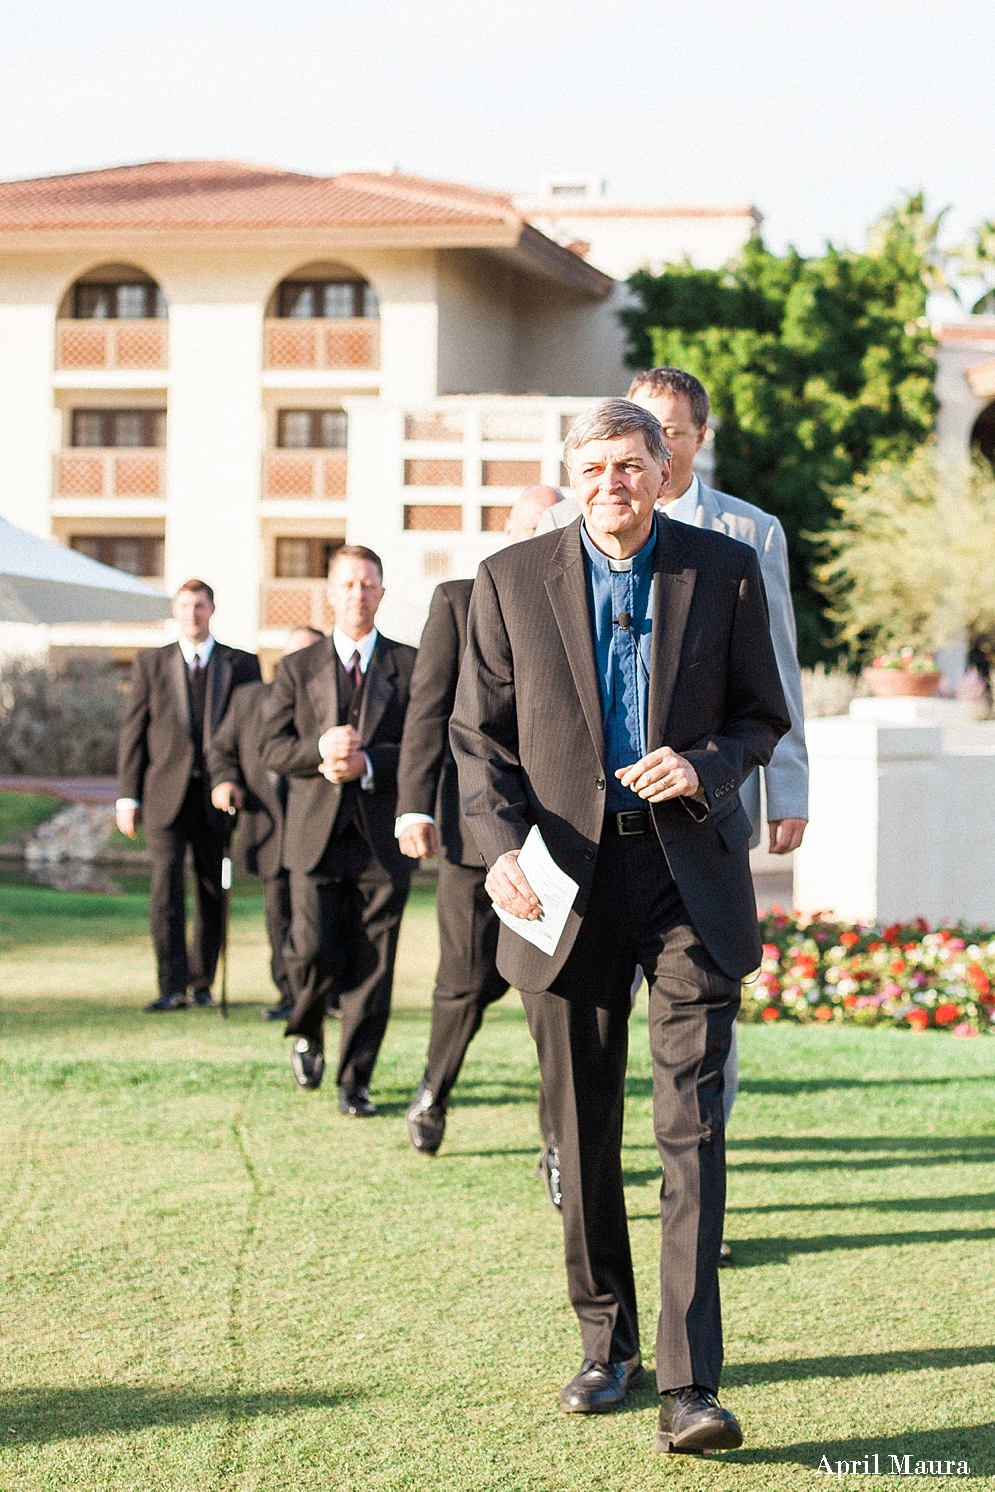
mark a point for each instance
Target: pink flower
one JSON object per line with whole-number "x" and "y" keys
{"x": 964, "y": 1029}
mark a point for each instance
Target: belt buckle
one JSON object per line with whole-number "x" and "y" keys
{"x": 639, "y": 827}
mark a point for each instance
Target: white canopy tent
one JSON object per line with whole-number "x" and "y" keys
{"x": 44, "y": 582}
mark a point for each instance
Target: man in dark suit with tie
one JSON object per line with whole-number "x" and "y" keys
{"x": 179, "y": 695}
{"x": 429, "y": 822}
{"x": 334, "y": 728}
{"x": 239, "y": 780}
{"x": 618, "y": 686}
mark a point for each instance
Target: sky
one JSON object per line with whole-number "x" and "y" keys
{"x": 820, "y": 114}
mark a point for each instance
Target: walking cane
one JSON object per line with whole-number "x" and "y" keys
{"x": 231, "y": 819}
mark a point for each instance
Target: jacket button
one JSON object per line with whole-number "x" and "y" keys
{"x": 600, "y": 784}
{"x": 588, "y": 854}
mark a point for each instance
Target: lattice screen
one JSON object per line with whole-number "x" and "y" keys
{"x": 137, "y": 476}
{"x": 433, "y": 426}
{"x": 511, "y": 473}
{"x": 428, "y": 471}
{"x": 434, "y": 518}
{"x": 81, "y": 476}
{"x": 288, "y": 608}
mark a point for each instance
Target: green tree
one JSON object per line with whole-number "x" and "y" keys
{"x": 818, "y": 368}
{"x": 910, "y": 560}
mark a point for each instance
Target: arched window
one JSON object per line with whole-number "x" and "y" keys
{"x": 323, "y": 292}
{"x": 114, "y": 292}
{"x": 983, "y": 433}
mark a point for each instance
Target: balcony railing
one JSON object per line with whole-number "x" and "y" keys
{"x": 295, "y": 603}
{"x": 111, "y": 344}
{"x": 110, "y": 473}
{"x": 352, "y": 343}
{"x": 320, "y": 474}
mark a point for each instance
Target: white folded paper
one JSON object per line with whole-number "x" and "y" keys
{"x": 556, "y": 892}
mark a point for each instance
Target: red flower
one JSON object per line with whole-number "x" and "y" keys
{"x": 946, "y": 1014}
{"x": 922, "y": 925}
{"x": 892, "y": 933}
{"x": 873, "y": 947}
{"x": 848, "y": 939}
{"x": 978, "y": 978}
{"x": 849, "y": 1001}
{"x": 918, "y": 1020}
{"x": 897, "y": 966}
{"x": 771, "y": 950}
{"x": 909, "y": 946}
{"x": 823, "y": 1013}
{"x": 770, "y": 1014}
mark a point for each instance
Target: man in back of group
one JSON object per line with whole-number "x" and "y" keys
{"x": 179, "y": 695}
{"x": 240, "y": 780}
{"x": 429, "y": 822}
{"x": 333, "y": 728}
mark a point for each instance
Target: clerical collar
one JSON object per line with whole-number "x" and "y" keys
{"x": 617, "y": 566}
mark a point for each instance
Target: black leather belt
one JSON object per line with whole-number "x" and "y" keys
{"x": 632, "y": 822}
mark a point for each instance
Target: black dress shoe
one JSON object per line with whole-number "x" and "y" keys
{"x": 357, "y": 1103}
{"x": 692, "y": 1420}
{"x": 203, "y": 997}
{"x": 725, "y": 1257}
{"x": 600, "y": 1387}
{"x": 307, "y": 1058}
{"x": 548, "y": 1169}
{"x": 426, "y": 1121}
{"x": 278, "y": 1013}
{"x": 170, "y": 1002}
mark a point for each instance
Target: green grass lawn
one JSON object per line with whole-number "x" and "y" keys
{"x": 213, "y": 1281}
{"x": 22, "y": 812}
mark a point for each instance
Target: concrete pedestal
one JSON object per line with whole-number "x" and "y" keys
{"x": 902, "y": 814}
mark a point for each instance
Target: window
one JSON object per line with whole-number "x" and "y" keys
{"x": 312, "y": 429}
{"x": 119, "y": 427}
{"x": 327, "y": 299}
{"x": 136, "y": 301}
{"x": 304, "y": 558}
{"x": 138, "y": 554}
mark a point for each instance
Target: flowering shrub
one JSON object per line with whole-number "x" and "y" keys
{"x": 908, "y": 660}
{"x": 906, "y": 976}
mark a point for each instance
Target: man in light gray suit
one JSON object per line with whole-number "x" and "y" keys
{"x": 681, "y": 405}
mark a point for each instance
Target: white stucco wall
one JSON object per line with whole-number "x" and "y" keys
{"x": 28, "y": 294}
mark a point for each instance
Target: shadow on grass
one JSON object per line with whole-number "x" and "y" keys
{"x": 749, "y": 1253}
{"x": 899, "y": 1150}
{"x": 966, "y": 1202}
{"x": 795, "y": 1370}
{"x": 35, "y": 1416}
{"x": 642, "y": 1087}
{"x": 971, "y": 1443}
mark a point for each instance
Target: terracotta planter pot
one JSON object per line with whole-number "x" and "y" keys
{"x": 896, "y": 683}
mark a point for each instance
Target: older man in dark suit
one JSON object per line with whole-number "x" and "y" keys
{"x": 618, "y": 686}
{"x": 240, "y": 780}
{"x": 334, "y": 728}
{"x": 179, "y": 695}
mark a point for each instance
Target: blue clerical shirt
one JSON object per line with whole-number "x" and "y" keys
{"x": 613, "y": 587}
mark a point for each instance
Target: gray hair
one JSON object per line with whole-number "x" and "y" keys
{"x": 617, "y": 417}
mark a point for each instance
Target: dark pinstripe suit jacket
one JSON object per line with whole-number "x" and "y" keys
{"x": 527, "y": 726}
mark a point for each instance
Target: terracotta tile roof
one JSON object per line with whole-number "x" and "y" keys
{"x": 232, "y": 194}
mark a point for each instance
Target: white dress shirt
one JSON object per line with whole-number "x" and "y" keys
{"x": 346, "y": 646}
{"x": 683, "y": 508}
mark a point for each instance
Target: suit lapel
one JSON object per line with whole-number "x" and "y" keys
{"x": 378, "y": 691}
{"x": 673, "y": 587}
{"x": 567, "y": 592}
{"x": 177, "y": 670}
{"x": 323, "y": 687}
{"x": 708, "y": 512}
{"x": 219, "y": 675}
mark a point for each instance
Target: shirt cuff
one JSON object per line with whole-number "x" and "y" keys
{"x": 366, "y": 781}
{"x": 405, "y": 820}
{"x": 126, "y": 803}
{"x": 322, "y": 751}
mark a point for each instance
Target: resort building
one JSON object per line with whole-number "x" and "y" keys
{"x": 225, "y": 370}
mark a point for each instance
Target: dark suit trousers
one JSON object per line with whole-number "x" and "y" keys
{"x": 345, "y": 918}
{"x": 276, "y": 900}
{"x": 468, "y": 980}
{"x": 635, "y": 915}
{"x": 194, "y": 825}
